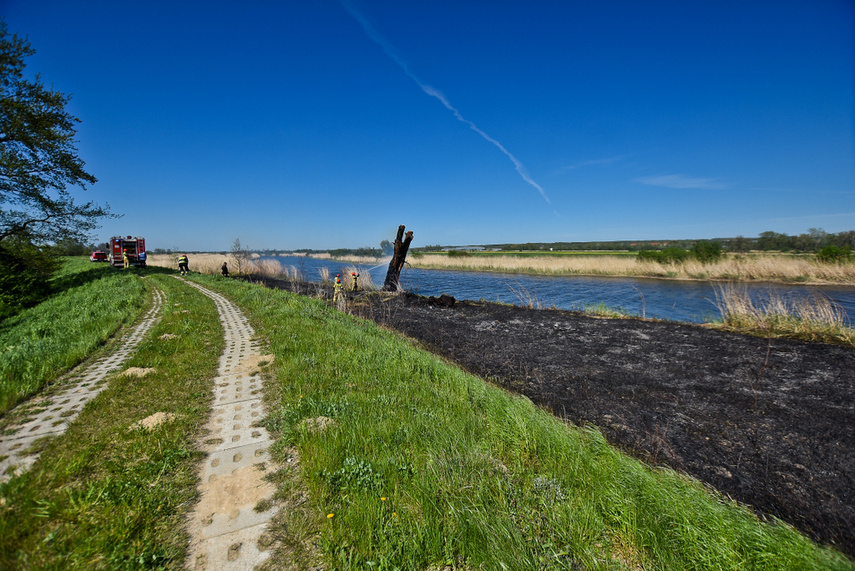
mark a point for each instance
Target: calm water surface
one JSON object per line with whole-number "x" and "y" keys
{"x": 663, "y": 299}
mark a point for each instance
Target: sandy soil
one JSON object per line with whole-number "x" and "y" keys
{"x": 136, "y": 372}
{"x": 155, "y": 420}
{"x": 768, "y": 423}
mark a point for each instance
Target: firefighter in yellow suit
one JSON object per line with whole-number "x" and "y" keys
{"x": 183, "y": 264}
{"x": 126, "y": 259}
{"x": 354, "y": 285}
{"x": 339, "y": 289}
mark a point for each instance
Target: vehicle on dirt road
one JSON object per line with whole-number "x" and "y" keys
{"x": 135, "y": 248}
{"x": 98, "y": 256}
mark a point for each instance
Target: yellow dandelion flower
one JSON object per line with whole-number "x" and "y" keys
{"x": 395, "y": 514}
{"x": 330, "y": 516}
{"x": 382, "y": 499}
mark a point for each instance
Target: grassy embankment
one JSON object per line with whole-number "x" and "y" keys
{"x": 91, "y": 303}
{"x": 109, "y": 494}
{"x": 421, "y": 465}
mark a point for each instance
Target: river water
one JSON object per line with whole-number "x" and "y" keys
{"x": 686, "y": 301}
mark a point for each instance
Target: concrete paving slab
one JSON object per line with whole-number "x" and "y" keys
{"x": 225, "y": 526}
{"x": 237, "y": 551}
{"x": 225, "y": 462}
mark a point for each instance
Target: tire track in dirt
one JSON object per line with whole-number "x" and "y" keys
{"x": 52, "y": 415}
{"x": 228, "y": 525}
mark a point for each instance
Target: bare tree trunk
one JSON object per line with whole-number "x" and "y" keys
{"x": 393, "y": 274}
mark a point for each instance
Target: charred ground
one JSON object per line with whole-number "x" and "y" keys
{"x": 770, "y": 423}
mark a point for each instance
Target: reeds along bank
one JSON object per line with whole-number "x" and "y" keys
{"x": 812, "y": 318}
{"x": 733, "y": 267}
{"x": 212, "y": 264}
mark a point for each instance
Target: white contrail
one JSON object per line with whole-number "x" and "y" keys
{"x": 390, "y": 51}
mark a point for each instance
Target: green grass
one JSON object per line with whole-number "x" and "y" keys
{"x": 425, "y": 466}
{"x": 421, "y": 465}
{"x": 602, "y": 310}
{"x": 107, "y": 495}
{"x": 42, "y": 342}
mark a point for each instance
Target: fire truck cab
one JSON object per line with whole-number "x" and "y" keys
{"x": 135, "y": 247}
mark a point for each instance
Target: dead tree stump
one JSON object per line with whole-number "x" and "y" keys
{"x": 402, "y": 244}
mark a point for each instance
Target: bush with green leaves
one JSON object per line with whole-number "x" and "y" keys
{"x": 671, "y": 255}
{"x": 25, "y": 273}
{"x": 834, "y": 255}
{"x": 706, "y": 251}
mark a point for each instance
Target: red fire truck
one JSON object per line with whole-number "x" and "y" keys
{"x": 135, "y": 247}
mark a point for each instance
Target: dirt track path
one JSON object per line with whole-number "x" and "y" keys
{"x": 228, "y": 525}
{"x": 52, "y": 415}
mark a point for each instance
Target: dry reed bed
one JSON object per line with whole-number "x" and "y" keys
{"x": 741, "y": 268}
{"x": 212, "y": 264}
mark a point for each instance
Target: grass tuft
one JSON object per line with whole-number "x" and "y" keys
{"x": 813, "y": 318}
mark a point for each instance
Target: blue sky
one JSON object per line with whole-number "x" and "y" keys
{"x": 327, "y": 123}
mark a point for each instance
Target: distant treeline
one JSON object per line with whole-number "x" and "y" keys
{"x": 809, "y": 242}
{"x": 812, "y": 241}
